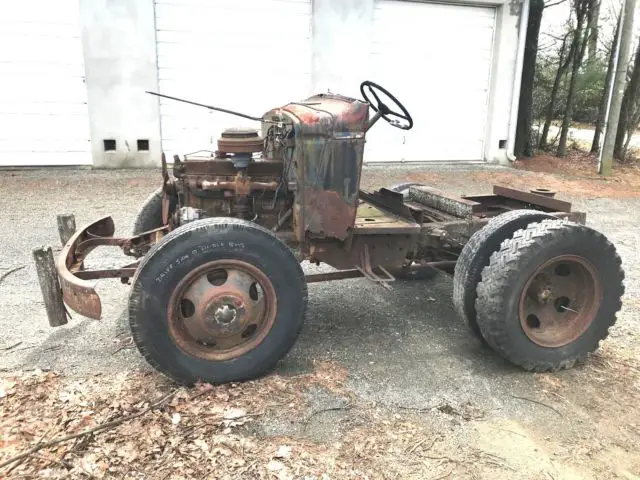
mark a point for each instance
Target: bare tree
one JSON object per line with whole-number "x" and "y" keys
{"x": 563, "y": 64}
{"x": 584, "y": 11}
{"x": 592, "y": 46}
{"x": 522, "y": 146}
{"x": 631, "y": 128}
{"x": 626, "y": 124}
{"x": 602, "y": 108}
{"x": 626, "y": 32}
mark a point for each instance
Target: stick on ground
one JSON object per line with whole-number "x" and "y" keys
{"x": 99, "y": 428}
{"x": 536, "y": 402}
{"x": 13, "y": 270}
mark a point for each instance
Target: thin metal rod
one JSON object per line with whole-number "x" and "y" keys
{"x": 210, "y": 107}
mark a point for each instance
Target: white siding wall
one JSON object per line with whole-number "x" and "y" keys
{"x": 452, "y": 65}
{"x": 43, "y": 110}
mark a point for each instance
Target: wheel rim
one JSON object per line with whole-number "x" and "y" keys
{"x": 560, "y": 300}
{"x": 222, "y": 310}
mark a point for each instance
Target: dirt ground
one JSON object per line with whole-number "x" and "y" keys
{"x": 379, "y": 385}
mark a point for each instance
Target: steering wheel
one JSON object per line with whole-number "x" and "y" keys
{"x": 385, "y": 111}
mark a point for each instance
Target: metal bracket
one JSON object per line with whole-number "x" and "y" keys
{"x": 367, "y": 270}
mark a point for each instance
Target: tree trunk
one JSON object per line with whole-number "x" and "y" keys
{"x": 631, "y": 128}
{"x": 602, "y": 108}
{"x": 584, "y": 9}
{"x": 523, "y": 145}
{"x": 592, "y": 54}
{"x": 554, "y": 92}
{"x": 626, "y": 108}
{"x": 626, "y": 34}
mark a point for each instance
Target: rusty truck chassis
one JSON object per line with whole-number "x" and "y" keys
{"x": 442, "y": 221}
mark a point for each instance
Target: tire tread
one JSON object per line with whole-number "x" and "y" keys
{"x": 507, "y": 262}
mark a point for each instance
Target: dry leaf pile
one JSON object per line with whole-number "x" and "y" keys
{"x": 137, "y": 426}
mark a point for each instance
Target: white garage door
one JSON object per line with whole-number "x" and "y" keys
{"x": 436, "y": 59}
{"x": 43, "y": 105}
{"x": 242, "y": 55}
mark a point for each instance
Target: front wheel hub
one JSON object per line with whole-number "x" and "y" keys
{"x": 222, "y": 310}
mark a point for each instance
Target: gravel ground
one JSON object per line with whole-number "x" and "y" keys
{"x": 404, "y": 350}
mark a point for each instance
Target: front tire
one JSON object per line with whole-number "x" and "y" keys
{"x": 550, "y": 295}
{"x": 150, "y": 215}
{"x": 217, "y": 300}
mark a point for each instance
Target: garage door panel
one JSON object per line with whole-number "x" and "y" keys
{"x": 16, "y": 145}
{"x": 53, "y": 51}
{"x": 455, "y": 50}
{"x": 165, "y": 7}
{"x": 29, "y": 88}
{"x": 42, "y": 68}
{"x": 261, "y": 34}
{"x": 412, "y": 32}
{"x": 37, "y": 127}
{"x": 408, "y": 11}
{"x": 38, "y": 12}
{"x": 24, "y": 30}
{"x": 218, "y": 22}
{"x": 249, "y": 92}
{"x": 441, "y": 150}
{"x": 219, "y": 18}
{"x": 212, "y": 62}
{"x": 45, "y": 158}
{"x": 232, "y": 4}
{"x": 200, "y": 74}
{"x": 53, "y": 108}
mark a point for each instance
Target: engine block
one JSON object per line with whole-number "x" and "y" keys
{"x": 235, "y": 181}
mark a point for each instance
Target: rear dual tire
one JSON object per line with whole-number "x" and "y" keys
{"x": 476, "y": 255}
{"x": 549, "y": 295}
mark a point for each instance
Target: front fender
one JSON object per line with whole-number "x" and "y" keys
{"x": 78, "y": 294}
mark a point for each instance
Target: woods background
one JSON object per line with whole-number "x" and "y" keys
{"x": 569, "y": 65}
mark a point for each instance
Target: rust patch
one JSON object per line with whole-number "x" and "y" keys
{"x": 327, "y": 213}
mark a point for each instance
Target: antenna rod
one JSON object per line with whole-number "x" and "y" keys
{"x": 257, "y": 119}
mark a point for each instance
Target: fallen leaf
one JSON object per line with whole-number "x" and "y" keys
{"x": 284, "y": 475}
{"x": 204, "y": 446}
{"x": 234, "y": 413}
{"x": 7, "y": 388}
{"x": 284, "y": 451}
{"x": 275, "y": 466}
